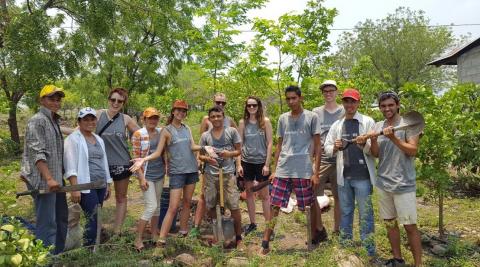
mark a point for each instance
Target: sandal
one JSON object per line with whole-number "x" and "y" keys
{"x": 139, "y": 249}
{"x": 161, "y": 243}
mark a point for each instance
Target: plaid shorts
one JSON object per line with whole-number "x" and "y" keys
{"x": 282, "y": 188}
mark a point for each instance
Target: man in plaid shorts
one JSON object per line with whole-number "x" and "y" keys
{"x": 294, "y": 171}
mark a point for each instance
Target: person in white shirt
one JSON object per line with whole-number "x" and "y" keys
{"x": 85, "y": 161}
{"x": 348, "y": 141}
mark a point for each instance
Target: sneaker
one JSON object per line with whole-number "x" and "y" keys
{"x": 393, "y": 262}
{"x": 320, "y": 236}
{"x": 194, "y": 233}
{"x": 250, "y": 228}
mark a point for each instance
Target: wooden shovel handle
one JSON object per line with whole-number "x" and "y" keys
{"x": 220, "y": 182}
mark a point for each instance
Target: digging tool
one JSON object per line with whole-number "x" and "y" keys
{"x": 309, "y": 227}
{"x": 67, "y": 188}
{"x": 258, "y": 186}
{"x": 412, "y": 121}
{"x": 224, "y": 230}
{"x": 98, "y": 210}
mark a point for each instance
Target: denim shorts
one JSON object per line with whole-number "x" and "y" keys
{"x": 180, "y": 180}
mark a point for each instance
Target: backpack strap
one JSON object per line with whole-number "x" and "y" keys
{"x": 108, "y": 124}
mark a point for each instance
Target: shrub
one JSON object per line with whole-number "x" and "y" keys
{"x": 18, "y": 247}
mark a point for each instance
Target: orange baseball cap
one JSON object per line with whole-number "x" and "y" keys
{"x": 150, "y": 112}
{"x": 351, "y": 93}
{"x": 180, "y": 104}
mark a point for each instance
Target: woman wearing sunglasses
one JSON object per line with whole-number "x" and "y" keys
{"x": 112, "y": 127}
{"x": 177, "y": 139}
{"x": 256, "y": 132}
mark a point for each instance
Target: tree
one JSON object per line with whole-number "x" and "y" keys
{"x": 216, "y": 48}
{"x": 399, "y": 47}
{"x": 300, "y": 41}
{"x": 29, "y": 55}
{"x": 143, "y": 47}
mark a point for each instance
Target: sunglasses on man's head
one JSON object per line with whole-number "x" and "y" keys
{"x": 252, "y": 105}
{"x": 390, "y": 94}
{"x": 116, "y": 100}
{"x": 223, "y": 103}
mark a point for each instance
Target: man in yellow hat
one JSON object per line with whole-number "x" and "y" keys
{"x": 42, "y": 168}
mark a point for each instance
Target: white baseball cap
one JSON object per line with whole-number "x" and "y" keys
{"x": 86, "y": 111}
{"x": 328, "y": 82}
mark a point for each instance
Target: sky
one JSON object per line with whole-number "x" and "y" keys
{"x": 350, "y": 12}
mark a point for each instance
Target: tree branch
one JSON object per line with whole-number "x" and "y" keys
{"x": 29, "y": 8}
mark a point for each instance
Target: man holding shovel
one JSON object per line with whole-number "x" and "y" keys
{"x": 396, "y": 185}
{"x": 219, "y": 100}
{"x": 296, "y": 131}
{"x": 42, "y": 168}
{"x": 226, "y": 143}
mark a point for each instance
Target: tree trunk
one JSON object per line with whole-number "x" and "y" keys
{"x": 441, "y": 230}
{"x": 12, "y": 121}
{"x": 279, "y": 69}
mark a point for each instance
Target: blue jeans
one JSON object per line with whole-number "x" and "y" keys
{"x": 89, "y": 202}
{"x": 361, "y": 191}
{"x": 51, "y": 212}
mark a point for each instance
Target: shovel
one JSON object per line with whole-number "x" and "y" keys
{"x": 413, "y": 121}
{"x": 223, "y": 229}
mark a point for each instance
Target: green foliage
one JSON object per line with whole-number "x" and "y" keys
{"x": 143, "y": 45}
{"x": 8, "y": 203}
{"x": 399, "y": 47}
{"x": 459, "y": 253}
{"x": 18, "y": 247}
{"x": 30, "y": 55}
{"x": 299, "y": 39}
{"x": 462, "y": 103}
{"x": 8, "y": 147}
{"x": 215, "y": 48}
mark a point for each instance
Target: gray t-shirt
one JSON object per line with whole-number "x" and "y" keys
{"x": 326, "y": 119}
{"x": 254, "y": 146}
{"x": 115, "y": 139}
{"x": 95, "y": 162}
{"x": 354, "y": 164}
{"x": 297, "y": 134}
{"x": 227, "y": 141}
{"x": 180, "y": 155}
{"x": 396, "y": 170}
{"x": 155, "y": 168}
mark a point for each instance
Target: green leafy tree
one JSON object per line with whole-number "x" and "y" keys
{"x": 300, "y": 41}
{"x": 29, "y": 55}
{"x": 142, "y": 48}
{"x": 399, "y": 47}
{"x": 436, "y": 151}
{"x": 216, "y": 49}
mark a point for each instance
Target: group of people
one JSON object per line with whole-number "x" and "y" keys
{"x": 333, "y": 143}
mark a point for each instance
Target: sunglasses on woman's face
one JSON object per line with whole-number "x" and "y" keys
{"x": 223, "y": 103}
{"x": 116, "y": 100}
{"x": 252, "y": 105}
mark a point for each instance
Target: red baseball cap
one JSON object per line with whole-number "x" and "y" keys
{"x": 180, "y": 104}
{"x": 351, "y": 93}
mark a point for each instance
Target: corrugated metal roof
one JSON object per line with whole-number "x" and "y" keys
{"x": 451, "y": 57}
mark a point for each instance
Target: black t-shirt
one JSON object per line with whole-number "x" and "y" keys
{"x": 354, "y": 164}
